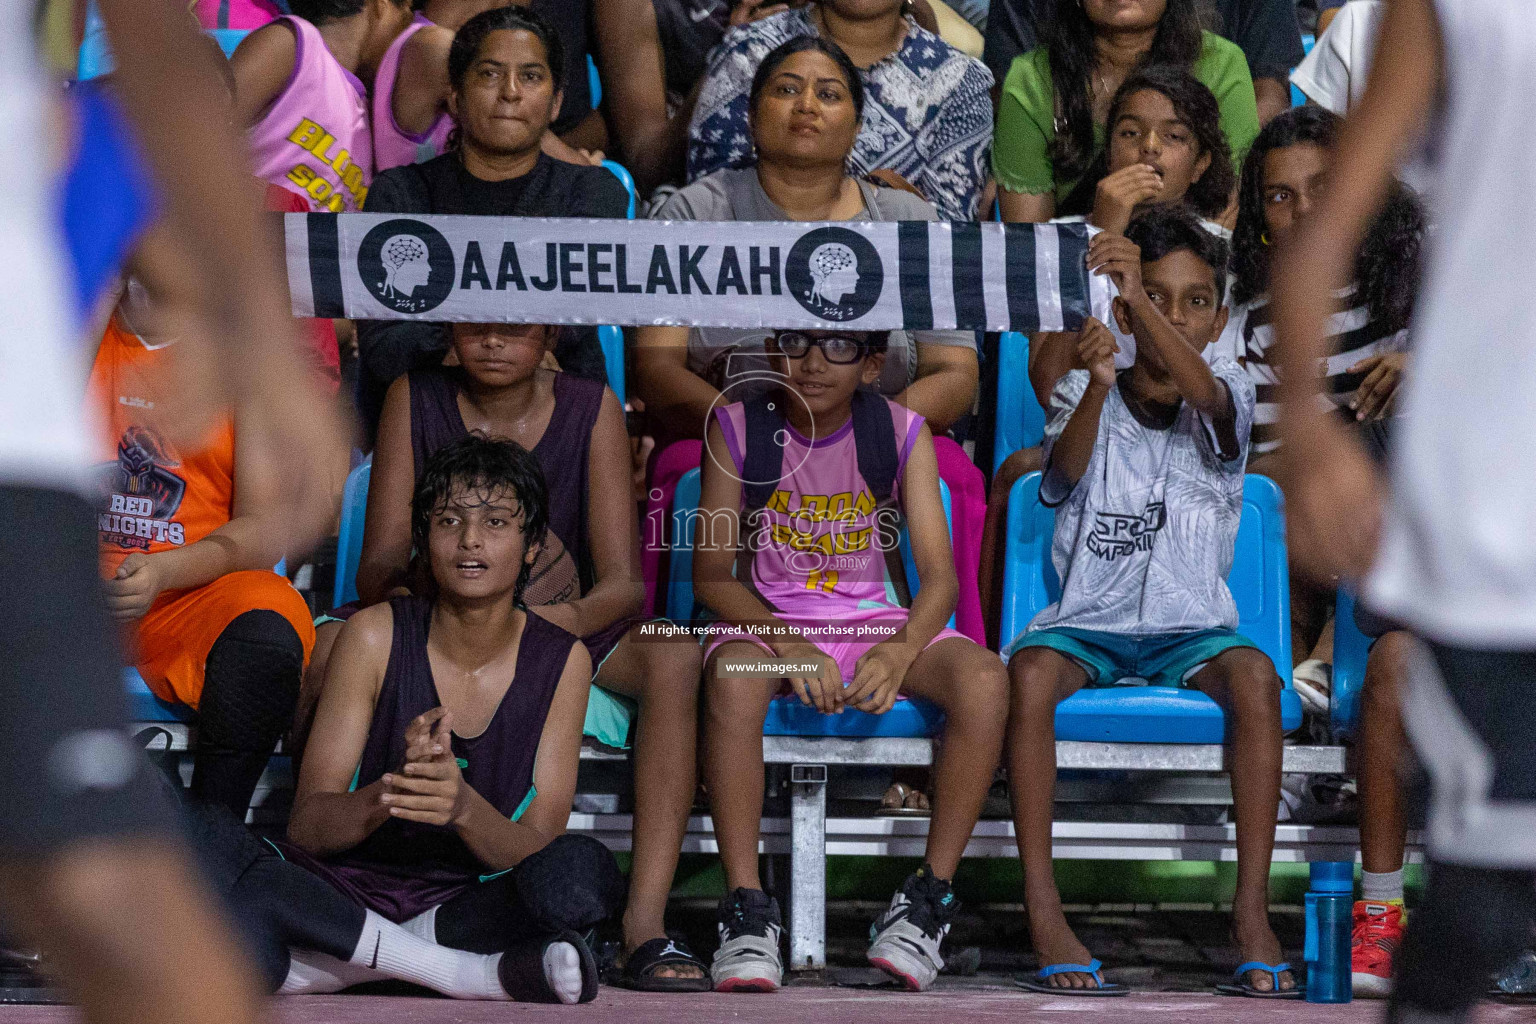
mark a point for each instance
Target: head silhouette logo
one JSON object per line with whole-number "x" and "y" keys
{"x": 407, "y": 265}
{"x": 835, "y": 274}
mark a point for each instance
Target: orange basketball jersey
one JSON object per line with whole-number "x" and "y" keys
{"x": 153, "y": 496}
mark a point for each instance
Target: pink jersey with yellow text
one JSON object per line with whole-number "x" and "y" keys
{"x": 393, "y": 146}
{"x": 823, "y": 556}
{"x": 313, "y": 139}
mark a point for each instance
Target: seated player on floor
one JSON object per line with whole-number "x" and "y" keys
{"x": 1146, "y": 466}
{"x": 442, "y": 763}
{"x": 587, "y": 579}
{"x": 184, "y": 547}
{"x": 821, "y": 511}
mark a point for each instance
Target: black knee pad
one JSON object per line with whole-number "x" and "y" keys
{"x": 251, "y": 682}
{"x": 571, "y": 884}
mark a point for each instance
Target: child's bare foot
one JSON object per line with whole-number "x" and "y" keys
{"x": 1055, "y": 943}
{"x": 1256, "y": 940}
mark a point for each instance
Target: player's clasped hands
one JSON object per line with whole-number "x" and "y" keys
{"x": 429, "y": 786}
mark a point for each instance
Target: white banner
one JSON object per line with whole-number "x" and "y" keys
{"x": 862, "y": 275}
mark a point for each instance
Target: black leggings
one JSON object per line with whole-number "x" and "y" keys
{"x": 571, "y": 884}
{"x": 250, "y": 688}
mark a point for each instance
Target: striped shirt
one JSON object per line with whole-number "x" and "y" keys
{"x": 1352, "y": 336}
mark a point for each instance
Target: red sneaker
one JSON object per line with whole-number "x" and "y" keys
{"x": 1378, "y": 934}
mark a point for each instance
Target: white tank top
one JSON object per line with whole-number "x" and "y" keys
{"x": 44, "y": 440}
{"x": 1459, "y": 556}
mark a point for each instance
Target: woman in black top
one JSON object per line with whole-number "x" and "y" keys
{"x": 506, "y": 67}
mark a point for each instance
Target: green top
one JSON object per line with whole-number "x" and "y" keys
{"x": 1026, "y": 119}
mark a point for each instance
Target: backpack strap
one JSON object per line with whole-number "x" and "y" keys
{"x": 875, "y": 441}
{"x": 763, "y": 461}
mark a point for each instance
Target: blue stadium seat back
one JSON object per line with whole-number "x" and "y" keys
{"x": 611, "y": 339}
{"x": 907, "y": 562}
{"x": 349, "y": 539}
{"x": 627, "y": 180}
{"x": 594, "y": 84}
{"x": 1020, "y": 420}
{"x": 1298, "y": 98}
{"x": 788, "y": 717}
{"x": 1351, "y": 648}
{"x": 685, "y": 503}
{"x": 228, "y": 38}
{"x": 144, "y": 706}
{"x": 1260, "y": 585}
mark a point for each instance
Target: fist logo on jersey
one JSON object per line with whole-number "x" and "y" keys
{"x": 141, "y": 494}
{"x": 407, "y": 265}
{"x": 835, "y": 274}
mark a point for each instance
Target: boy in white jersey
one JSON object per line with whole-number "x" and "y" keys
{"x": 1146, "y": 466}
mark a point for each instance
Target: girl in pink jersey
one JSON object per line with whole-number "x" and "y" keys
{"x": 411, "y": 121}
{"x": 298, "y": 87}
{"x": 797, "y": 467}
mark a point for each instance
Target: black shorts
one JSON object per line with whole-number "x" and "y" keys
{"x": 1472, "y": 717}
{"x": 68, "y": 772}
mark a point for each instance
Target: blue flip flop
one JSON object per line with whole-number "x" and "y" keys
{"x": 1039, "y": 982}
{"x": 1238, "y": 987}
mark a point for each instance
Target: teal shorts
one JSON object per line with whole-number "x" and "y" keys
{"x": 1162, "y": 659}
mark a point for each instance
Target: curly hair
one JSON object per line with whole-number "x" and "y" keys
{"x": 1167, "y": 229}
{"x": 489, "y": 468}
{"x": 1388, "y": 264}
{"x": 1070, "y": 43}
{"x": 1196, "y": 106}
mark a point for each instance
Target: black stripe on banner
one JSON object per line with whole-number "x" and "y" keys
{"x": 1072, "y": 245}
{"x": 325, "y": 266}
{"x": 912, "y": 253}
{"x": 966, "y": 276}
{"x": 1023, "y": 291}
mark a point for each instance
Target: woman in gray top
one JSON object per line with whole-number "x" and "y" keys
{"x": 807, "y": 103}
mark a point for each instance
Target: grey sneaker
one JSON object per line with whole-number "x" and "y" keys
{"x": 904, "y": 941}
{"x": 748, "y": 959}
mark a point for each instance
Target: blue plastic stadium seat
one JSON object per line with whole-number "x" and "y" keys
{"x": 1351, "y": 648}
{"x": 786, "y": 715}
{"x": 594, "y": 83}
{"x": 627, "y": 180}
{"x": 612, "y": 340}
{"x": 1020, "y": 420}
{"x": 144, "y": 706}
{"x": 1260, "y": 584}
{"x": 349, "y": 539}
{"x": 1299, "y": 98}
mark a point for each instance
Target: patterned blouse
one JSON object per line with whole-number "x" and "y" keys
{"x": 927, "y": 112}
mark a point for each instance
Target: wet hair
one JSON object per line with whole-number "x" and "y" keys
{"x": 1167, "y": 229}
{"x": 785, "y": 50}
{"x": 488, "y": 468}
{"x": 319, "y": 12}
{"x": 471, "y": 36}
{"x": 1388, "y": 264}
{"x": 1196, "y": 106}
{"x": 1071, "y": 46}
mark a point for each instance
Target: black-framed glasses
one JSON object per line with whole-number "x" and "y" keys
{"x": 835, "y": 348}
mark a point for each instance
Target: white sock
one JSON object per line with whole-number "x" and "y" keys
{"x": 315, "y": 974}
{"x": 392, "y": 950}
{"x": 562, "y": 971}
{"x": 1381, "y": 886}
{"x": 423, "y": 925}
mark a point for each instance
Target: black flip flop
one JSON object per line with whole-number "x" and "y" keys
{"x": 1238, "y": 987}
{"x": 649, "y": 957}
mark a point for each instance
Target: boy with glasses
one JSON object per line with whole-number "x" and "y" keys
{"x": 804, "y": 488}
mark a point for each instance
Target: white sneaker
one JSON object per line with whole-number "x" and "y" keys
{"x": 1313, "y": 681}
{"x": 748, "y": 959}
{"x": 905, "y": 940}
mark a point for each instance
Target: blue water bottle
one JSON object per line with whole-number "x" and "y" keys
{"x": 1330, "y": 903}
